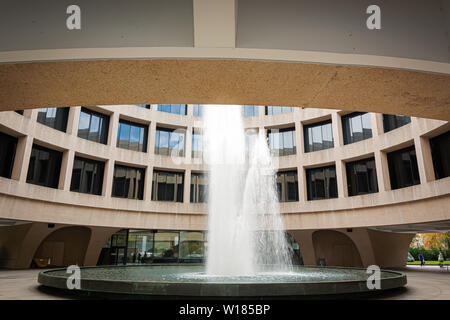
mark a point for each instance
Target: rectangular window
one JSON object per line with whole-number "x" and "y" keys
{"x": 170, "y": 141}
{"x": 132, "y": 136}
{"x": 199, "y": 183}
{"x": 356, "y": 127}
{"x": 250, "y": 111}
{"x": 166, "y": 245}
{"x": 192, "y": 246}
{"x": 361, "y": 177}
{"x": 440, "y": 153}
{"x": 321, "y": 183}
{"x": 128, "y": 182}
{"x": 45, "y": 166}
{"x": 146, "y": 106}
{"x": 167, "y": 186}
{"x": 318, "y": 136}
{"x": 403, "y": 171}
{"x": 198, "y": 110}
{"x": 270, "y": 110}
{"x": 87, "y": 176}
{"x": 391, "y": 122}
{"x": 287, "y": 186}
{"x": 282, "y": 142}
{"x": 197, "y": 143}
{"x": 251, "y": 136}
{"x": 93, "y": 126}
{"x": 173, "y": 108}
{"x": 8, "y": 145}
{"x": 55, "y": 118}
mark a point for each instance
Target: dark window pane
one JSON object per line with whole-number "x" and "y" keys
{"x": 198, "y": 187}
{"x": 128, "y": 182}
{"x": 87, "y": 176}
{"x": 287, "y": 186}
{"x": 44, "y": 167}
{"x": 361, "y": 177}
{"x": 391, "y": 122}
{"x": 440, "y": 153}
{"x": 403, "y": 171}
{"x": 8, "y": 145}
{"x": 321, "y": 183}
{"x": 54, "y": 117}
{"x": 167, "y": 186}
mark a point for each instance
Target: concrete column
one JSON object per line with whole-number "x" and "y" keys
{"x": 190, "y": 110}
{"x": 22, "y": 158}
{"x": 381, "y": 162}
{"x": 99, "y": 236}
{"x": 113, "y": 127}
{"x": 65, "y": 176}
{"x": 73, "y": 120}
{"x": 151, "y": 138}
{"x": 300, "y": 140}
{"x": 380, "y": 174}
{"x": 424, "y": 159}
{"x": 108, "y": 178}
{"x": 336, "y": 124}
{"x": 188, "y": 146}
{"x": 376, "y": 121}
{"x": 302, "y": 192}
{"x": 341, "y": 178}
{"x": 27, "y": 113}
{"x": 363, "y": 243}
{"x": 148, "y": 184}
{"x": 33, "y": 114}
{"x": 187, "y": 186}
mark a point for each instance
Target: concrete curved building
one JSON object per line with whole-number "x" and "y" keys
{"x": 355, "y": 183}
{"x": 343, "y": 191}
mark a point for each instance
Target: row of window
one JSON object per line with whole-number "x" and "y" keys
{"x": 128, "y": 182}
{"x": 94, "y": 126}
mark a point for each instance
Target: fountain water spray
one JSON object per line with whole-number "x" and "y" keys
{"x": 246, "y": 234}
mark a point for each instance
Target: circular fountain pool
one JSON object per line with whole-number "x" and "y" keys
{"x": 191, "y": 281}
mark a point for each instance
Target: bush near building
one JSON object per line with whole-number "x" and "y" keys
{"x": 429, "y": 255}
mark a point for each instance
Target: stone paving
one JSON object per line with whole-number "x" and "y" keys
{"x": 424, "y": 283}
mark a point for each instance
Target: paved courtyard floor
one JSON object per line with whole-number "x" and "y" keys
{"x": 424, "y": 283}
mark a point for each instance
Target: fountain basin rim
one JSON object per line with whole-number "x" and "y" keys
{"x": 164, "y": 288}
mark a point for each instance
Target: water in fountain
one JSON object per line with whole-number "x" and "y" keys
{"x": 245, "y": 229}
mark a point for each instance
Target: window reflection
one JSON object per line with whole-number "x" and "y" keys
{"x": 132, "y": 136}
{"x": 356, "y": 127}
{"x": 321, "y": 183}
{"x": 318, "y": 136}
{"x": 128, "y": 182}
{"x": 167, "y": 186}
{"x": 55, "y": 118}
{"x": 93, "y": 126}
{"x": 170, "y": 141}
{"x": 282, "y": 142}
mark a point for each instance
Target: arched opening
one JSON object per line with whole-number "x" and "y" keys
{"x": 64, "y": 247}
{"x": 333, "y": 248}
